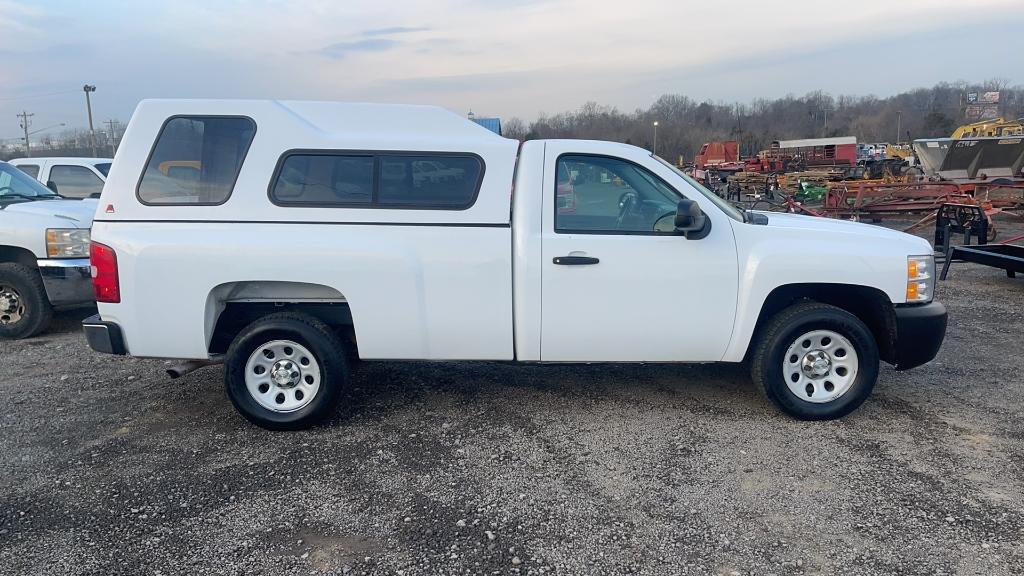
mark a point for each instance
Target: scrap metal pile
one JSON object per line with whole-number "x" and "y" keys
{"x": 983, "y": 171}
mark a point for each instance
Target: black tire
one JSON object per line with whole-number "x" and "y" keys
{"x": 32, "y": 312}
{"x": 783, "y": 330}
{"x": 302, "y": 329}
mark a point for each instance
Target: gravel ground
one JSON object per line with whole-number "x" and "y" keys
{"x": 109, "y": 467}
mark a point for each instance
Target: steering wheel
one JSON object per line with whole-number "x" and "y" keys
{"x": 628, "y": 204}
{"x": 2, "y": 188}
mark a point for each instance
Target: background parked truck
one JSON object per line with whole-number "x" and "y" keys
{"x": 44, "y": 253}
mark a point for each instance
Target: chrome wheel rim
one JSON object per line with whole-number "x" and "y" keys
{"x": 820, "y": 366}
{"x": 282, "y": 376}
{"x": 12, "y": 307}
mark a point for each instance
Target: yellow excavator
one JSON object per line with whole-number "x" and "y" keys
{"x": 990, "y": 128}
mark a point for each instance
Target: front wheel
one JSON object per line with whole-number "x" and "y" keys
{"x": 285, "y": 371}
{"x": 815, "y": 361}
{"x": 24, "y": 308}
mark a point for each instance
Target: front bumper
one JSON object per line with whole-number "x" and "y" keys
{"x": 103, "y": 336}
{"x": 919, "y": 333}
{"x": 68, "y": 282}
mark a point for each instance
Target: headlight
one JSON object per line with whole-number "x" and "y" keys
{"x": 67, "y": 243}
{"x": 920, "y": 278}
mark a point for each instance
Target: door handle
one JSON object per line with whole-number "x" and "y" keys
{"x": 574, "y": 260}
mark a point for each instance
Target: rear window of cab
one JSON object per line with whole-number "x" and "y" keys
{"x": 196, "y": 160}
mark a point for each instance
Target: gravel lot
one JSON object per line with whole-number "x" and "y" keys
{"x": 109, "y": 467}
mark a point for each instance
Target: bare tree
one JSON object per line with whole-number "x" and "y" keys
{"x": 683, "y": 124}
{"x": 514, "y": 128}
{"x": 71, "y": 142}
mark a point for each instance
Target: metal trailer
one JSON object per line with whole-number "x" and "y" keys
{"x": 971, "y": 220}
{"x": 874, "y": 201}
{"x": 1008, "y": 257}
{"x": 798, "y": 154}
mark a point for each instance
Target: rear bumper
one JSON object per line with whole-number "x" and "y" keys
{"x": 67, "y": 281}
{"x": 919, "y": 333}
{"x": 103, "y": 336}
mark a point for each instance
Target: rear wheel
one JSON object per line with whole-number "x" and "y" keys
{"x": 24, "y": 307}
{"x": 815, "y": 361}
{"x": 285, "y": 371}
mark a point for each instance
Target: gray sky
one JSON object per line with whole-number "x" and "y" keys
{"x": 519, "y": 58}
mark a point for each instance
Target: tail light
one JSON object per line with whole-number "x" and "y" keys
{"x": 105, "y": 283}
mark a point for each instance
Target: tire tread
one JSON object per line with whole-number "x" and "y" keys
{"x": 771, "y": 332}
{"x": 333, "y": 347}
{"x": 39, "y": 320}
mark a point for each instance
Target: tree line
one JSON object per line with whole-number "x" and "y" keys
{"x": 684, "y": 124}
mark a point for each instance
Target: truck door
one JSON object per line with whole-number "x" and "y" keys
{"x": 618, "y": 284}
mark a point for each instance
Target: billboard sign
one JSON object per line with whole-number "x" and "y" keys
{"x": 979, "y": 112}
{"x": 988, "y": 98}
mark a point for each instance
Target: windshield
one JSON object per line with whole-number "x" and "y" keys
{"x": 104, "y": 168}
{"x": 16, "y": 184}
{"x": 722, "y": 203}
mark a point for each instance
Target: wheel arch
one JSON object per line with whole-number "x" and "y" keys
{"x": 18, "y": 255}
{"x": 870, "y": 305}
{"x": 232, "y": 306}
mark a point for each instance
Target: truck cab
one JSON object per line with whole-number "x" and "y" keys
{"x": 307, "y": 229}
{"x": 71, "y": 177}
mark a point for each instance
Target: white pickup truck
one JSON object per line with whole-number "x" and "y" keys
{"x": 71, "y": 177}
{"x": 44, "y": 253}
{"x": 276, "y": 235}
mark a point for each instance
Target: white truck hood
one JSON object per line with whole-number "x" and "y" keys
{"x": 912, "y": 244}
{"x": 78, "y": 213}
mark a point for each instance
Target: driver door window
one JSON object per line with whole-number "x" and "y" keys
{"x": 599, "y": 194}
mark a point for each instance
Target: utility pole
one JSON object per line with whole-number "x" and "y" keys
{"x": 25, "y": 123}
{"x": 655, "y": 150}
{"x": 899, "y": 119}
{"x": 88, "y": 106}
{"x": 110, "y": 131}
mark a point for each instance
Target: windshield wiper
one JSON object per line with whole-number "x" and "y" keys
{"x": 27, "y": 197}
{"x": 17, "y": 195}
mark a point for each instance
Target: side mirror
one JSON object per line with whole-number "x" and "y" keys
{"x": 52, "y": 186}
{"x": 691, "y": 220}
